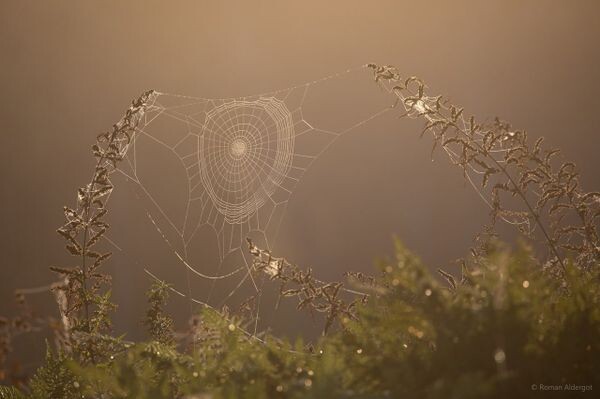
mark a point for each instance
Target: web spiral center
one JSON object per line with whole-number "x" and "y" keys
{"x": 246, "y": 151}
{"x": 238, "y": 148}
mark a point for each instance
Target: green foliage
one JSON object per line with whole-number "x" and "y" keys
{"x": 499, "y": 328}
{"x": 10, "y": 393}
{"x": 506, "y": 327}
{"x": 55, "y": 379}
{"x": 158, "y": 323}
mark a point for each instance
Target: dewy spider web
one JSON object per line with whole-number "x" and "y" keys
{"x": 242, "y": 159}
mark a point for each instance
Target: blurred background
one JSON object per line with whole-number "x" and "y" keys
{"x": 69, "y": 69}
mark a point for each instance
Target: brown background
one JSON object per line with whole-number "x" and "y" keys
{"x": 69, "y": 69}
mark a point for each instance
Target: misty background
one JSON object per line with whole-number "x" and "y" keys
{"x": 68, "y": 71}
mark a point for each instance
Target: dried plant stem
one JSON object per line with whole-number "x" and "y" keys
{"x": 550, "y": 195}
{"x": 514, "y": 184}
{"x": 311, "y": 293}
{"x": 85, "y": 227}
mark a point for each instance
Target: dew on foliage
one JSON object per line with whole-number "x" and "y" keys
{"x": 420, "y": 106}
{"x": 416, "y": 332}
{"x": 499, "y": 356}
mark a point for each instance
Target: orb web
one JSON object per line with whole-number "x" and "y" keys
{"x": 242, "y": 158}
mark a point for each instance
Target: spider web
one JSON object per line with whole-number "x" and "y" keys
{"x": 240, "y": 160}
